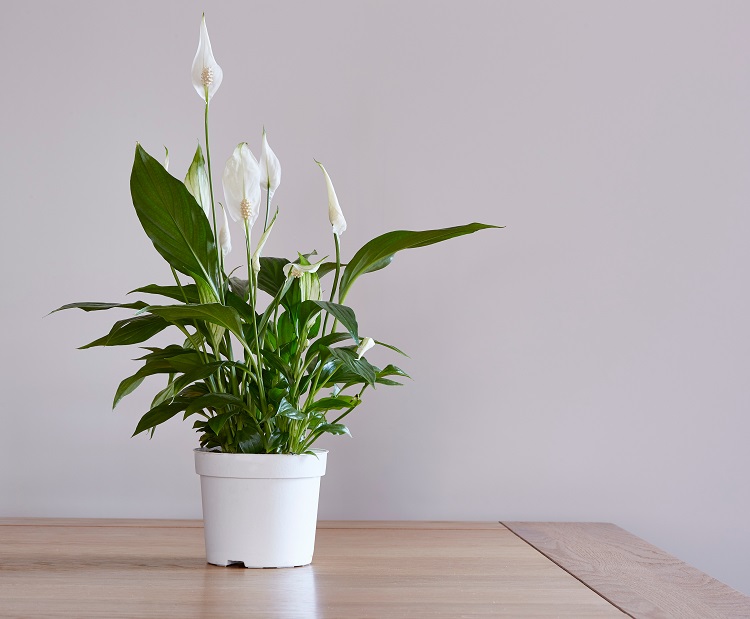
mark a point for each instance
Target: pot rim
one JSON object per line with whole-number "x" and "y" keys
{"x": 260, "y": 466}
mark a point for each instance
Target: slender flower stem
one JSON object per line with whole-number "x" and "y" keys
{"x": 252, "y": 287}
{"x": 335, "y": 283}
{"x": 213, "y": 206}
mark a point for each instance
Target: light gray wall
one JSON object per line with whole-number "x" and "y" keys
{"x": 589, "y": 362}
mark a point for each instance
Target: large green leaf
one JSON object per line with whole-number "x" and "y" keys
{"x": 131, "y": 331}
{"x": 172, "y": 292}
{"x": 377, "y": 253}
{"x": 360, "y": 367}
{"x": 160, "y": 413}
{"x": 342, "y": 313}
{"x": 214, "y": 313}
{"x": 271, "y": 277}
{"x": 174, "y": 388}
{"x": 95, "y": 306}
{"x": 173, "y": 220}
{"x": 129, "y": 384}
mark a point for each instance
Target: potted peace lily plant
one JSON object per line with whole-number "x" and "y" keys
{"x": 263, "y": 377}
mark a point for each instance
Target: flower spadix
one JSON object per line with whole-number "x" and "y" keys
{"x": 270, "y": 168}
{"x": 225, "y": 238}
{"x": 207, "y": 74}
{"x": 241, "y": 182}
{"x": 335, "y": 216}
{"x": 365, "y": 344}
{"x": 262, "y": 242}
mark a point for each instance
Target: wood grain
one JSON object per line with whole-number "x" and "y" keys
{"x": 65, "y": 569}
{"x": 637, "y": 577}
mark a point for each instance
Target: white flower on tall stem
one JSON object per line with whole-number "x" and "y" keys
{"x": 241, "y": 182}
{"x": 262, "y": 243}
{"x": 270, "y": 169}
{"x": 196, "y": 181}
{"x": 206, "y": 73}
{"x": 292, "y": 269}
{"x": 335, "y": 216}
{"x": 365, "y": 344}
{"x": 225, "y": 238}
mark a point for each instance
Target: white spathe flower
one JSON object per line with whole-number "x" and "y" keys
{"x": 365, "y": 344}
{"x": 241, "y": 182}
{"x": 196, "y": 181}
{"x": 335, "y": 216}
{"x": 270, "y": 168}
{"x": 166, "y": 159}
{"x": 207, "y": 74}
{"x": 225, "y": 238}
{"x": 262, "y": 242}
{"x": 292, "y": 269}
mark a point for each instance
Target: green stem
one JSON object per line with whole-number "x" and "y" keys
{"x": 335, "y": 284}
{"x": 213, "y": 207}
{"x": 253, "y": 290}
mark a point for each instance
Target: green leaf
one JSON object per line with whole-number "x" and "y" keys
{"x": 398, "y": 350}
{"x": 215, "y": 401}
{"x": 271, "y": 276}
{"x": 93, "y": 306}
{"x": 345, "y": 315}
{"x": 240, "y": 287}
{"x": 159, "y": 414}
{"x": 392, "y": 370}
{"x": 215, "y": 313}
{"x": 173, "y": 220}
{"x": 333, "y": 428}
{"x": 360, "y": 367}
{"x": 287, "y": 410}
{"x": 217, "y": 423}
{"x": 130, "y": 384}
{"x": 130, "y": 331}
{"x": 178, "y": 384}
{"x": 377, "y": 253}
{"x": 337, "y": 403}
{"x": 172, "y": 292}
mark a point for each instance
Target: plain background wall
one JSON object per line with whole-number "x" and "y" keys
{"x": 588, "y": 362}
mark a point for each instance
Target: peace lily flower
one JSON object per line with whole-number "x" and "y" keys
{"x": 196, "y": 182}
{"x": 292, "y": 269}
{"x": 166, "y": 158}
{"x": 365, "y": 344}
{"x": 335, "y": 216}
{"x": 241, "y": 182}
{"x": 225, "y": 239}
{"x": 270, "y": 168}
{"x": 207, "y": 74}
{"x": 262, "y": 242}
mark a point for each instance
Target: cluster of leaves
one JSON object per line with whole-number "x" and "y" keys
{"x": 295, "y": 379}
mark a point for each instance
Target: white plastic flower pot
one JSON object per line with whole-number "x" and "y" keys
{"x": 260, "y": 509}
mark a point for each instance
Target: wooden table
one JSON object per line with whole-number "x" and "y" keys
{"x": 152, "y": 568}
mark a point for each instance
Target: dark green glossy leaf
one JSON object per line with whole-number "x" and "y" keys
{"x": 215, "y": 313}
{"x": 333, "y": 428}
{"x": 345, "y": 315}
{"x": 173, "y": 220}
{"x": 181, "y": 382}
{"x": 337, "y": 403}
{"x": 129, "y": 384}
{"x": 271, "y": 276}
{"x": 215, "y": 401}
{"x": 360, "y": 367}
{"x": 159, "y": 414}
{"x": 131, "y": 331}
{"x": 172, "y": 292}
{"x": 93, "y": 306}
{"x": 377, "y": 253}
{"x": 287, "y": 410}
{"x": 398, "y": 350}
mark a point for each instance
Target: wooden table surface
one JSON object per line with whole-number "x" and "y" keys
{"x": 153, "y": 568}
